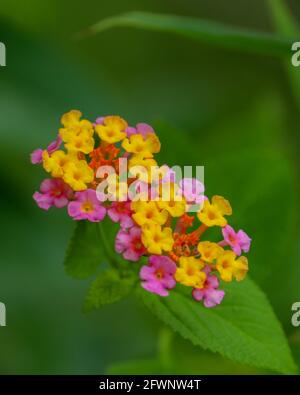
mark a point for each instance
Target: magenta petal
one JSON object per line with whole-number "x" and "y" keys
{"x": 144, "y": 129}
{"x": 113, "y": 214}
{"x": 212, "y": 282}
{"x": 147, "y": 273}
{"x": 213, "y": 298}
{"x": 36, "y": 157}
{"x": 155, "y": 287}
{"x": 198, "y": 294}
{"x": 97, "y": 215}
{"x": 74, "y": 210}
{"x": 236, "y": 249}
{"x": 99, "y": 121}
{"x": 244, "y": 240}
{"x": 130, "y": 131}
{"x": 168, "y": 282}
{"x": 47, "y": 185}
{"x": 227, "y": 232}
{"x": 131, "y": 255}
{"x": 52, "y": 147}
{"x": 126, "y": 221}
{"x": 43, "y": 201}
{"x": 60, "y": 202}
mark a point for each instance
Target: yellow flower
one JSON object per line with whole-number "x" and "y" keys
{"x": 189, "y": 272}
{"x": 71, "y": 118}
{"x": 113, "y": 129}
{"x": 78, "y": 175}
{"x": 169, "y": 200}
{"x": 225, "y": 265}
{"x": 209, "y": 251}
{"x": 137, "y": 163}
{"x": 156, "y": 239}
{"x": 82, "y": 142}
{"x": 148, "y": 212}
{"x": 73, "y": 126}
{"x": 229, "y": 267}
{"x": 240, "y": 268}
{"x": 212, "y": 214}
{"x": 56, "y": 162}
{"x": 144, "y": 146}
{"x": 175, "y": 209}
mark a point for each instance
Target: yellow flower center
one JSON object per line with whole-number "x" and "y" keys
{"x": 226, "y": 264}
{"x": 159, "y": 274}
{"x": 211, "y": 215}
{"x": 87, "y": 207}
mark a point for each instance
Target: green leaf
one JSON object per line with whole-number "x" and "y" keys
{"x": 85, "y": 251}
{"x": 109, "y": 287}
{"x": 198, "y": 29}
{"x": 244, "y": 328}
{"x": 286, "y": 25}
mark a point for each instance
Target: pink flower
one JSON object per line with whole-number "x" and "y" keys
{"x": 141, "y": 128}
{"x": 36, "y": 156}
{"x": 238, "y": 241}
{"x": 128, "y": 243}
{"x": 54, "y": 192}
{"x": 192, "y": 189}
{"x": 121, "y": 212}
{"x": 210, "y": 295}
{"x": 86, "y": 206}
{"x": 158, "y": 276}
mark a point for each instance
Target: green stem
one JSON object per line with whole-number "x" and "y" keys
{"x": 101, "y": 234}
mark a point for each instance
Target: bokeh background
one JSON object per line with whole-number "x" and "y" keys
{"x": 232, "y": 112}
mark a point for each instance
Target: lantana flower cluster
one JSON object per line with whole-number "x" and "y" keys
{"x": 155, "y": 221}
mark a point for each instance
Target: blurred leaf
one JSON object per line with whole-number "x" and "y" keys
{"x": 139, "y": 366}
{"x": 244, "y": 328}
{"x": 85, "y": 252}
{"x": 202, "y": 30}
{"x": 109, "y": 287}
{"x": 283, "y": 18}
{"x": 286, "y": 25}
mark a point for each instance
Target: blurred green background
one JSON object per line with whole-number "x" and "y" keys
{"x": 232, "y": 112}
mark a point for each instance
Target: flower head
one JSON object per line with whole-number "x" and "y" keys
{"x": 149, "y": 203}
{"x": 128, "y": 243}
{"x": 210, "y": 294}
{"x": 53, "y": 192}
{"x": 238, "y": 241}
{"x": 86, "y": 206}
{"x": 189, "y": 272}
{"x": 212, "y": 214}
{"x": 158, "y": 276}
